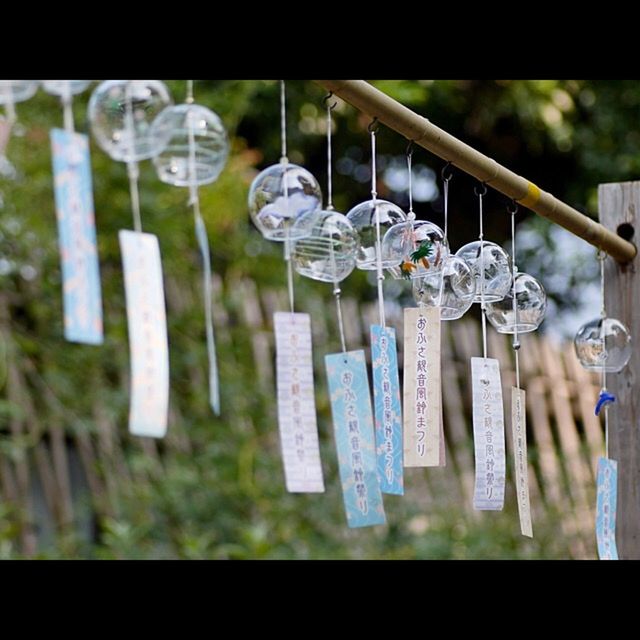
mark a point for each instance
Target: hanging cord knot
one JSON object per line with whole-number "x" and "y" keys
{"x": 374, "y": 125}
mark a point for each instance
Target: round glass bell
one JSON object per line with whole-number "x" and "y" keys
{"x": 279, "y": 196}
{"x": 12, "y": 91}
{"x": 531, "y": 305}
{"x": 328, "y": 250}
{"x": 425, "y": 250}
{"x": 457, "y": 284}
{"x": 603, "y": 344}
{"x": 179, "y": 125}
{"x": 61, "y": 87}
{"x": 497, "y": 277}
{"x": 121, "y": 113}
{"x": 363, "y": 219}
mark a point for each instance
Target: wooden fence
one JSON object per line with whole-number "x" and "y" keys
{"x": 564, "y": 436}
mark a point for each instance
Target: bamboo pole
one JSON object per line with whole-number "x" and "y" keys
{"x": 412, "y": 126}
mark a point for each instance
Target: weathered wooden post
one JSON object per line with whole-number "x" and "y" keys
{"x": 619, "y": 209}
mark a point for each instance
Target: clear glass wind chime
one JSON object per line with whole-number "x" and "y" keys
{"x": 82, "y": 295}
{"x": 454, "y": 288}
{"x": 604, "y": 344}
{"x": 520, "y": 311}
{"x": 328, "y": 254}
{"x": 195, "y": 152}
{"x": 372, "y": 219}
{"x": 121, "y": 113}
{"x": 492, "y": 270}
{"x": 279, "y": 198}
{"x": 425, "y": 251}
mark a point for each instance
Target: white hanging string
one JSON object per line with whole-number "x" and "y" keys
{"x": 285, "y": 161}
{"x": 516, "y": 342}
{"x": 602, "y": 256}
{"x": 132, "y": 165}
{"x": 336, "y": 286}
{"x": 445, "y": 188}
{"x": 67, "y": 106}
{"x": 203, "y": 243}
{"x": 483, "y": 307}
{"x": 374, "y": 196}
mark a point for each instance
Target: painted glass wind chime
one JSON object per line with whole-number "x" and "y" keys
{"x": 604, "y": 345}
{"x": 280, "y": 196}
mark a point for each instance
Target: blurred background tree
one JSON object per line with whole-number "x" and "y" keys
{"x": 221, "y": 495}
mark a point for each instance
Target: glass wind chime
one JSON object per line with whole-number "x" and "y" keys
{"x": 604, "y": 344}
{"x": 425, "y": 251}
{"x": 279, "y": 198}
{"x": 328, "y": 253}
{"x": 195, "y": 151}
{"x": 378, "y": 252}
{"x": 121, "y": 113}
{"x": 520, "y": 311}
{"x": 490, "y": 265}
{"x": 82, "y": 297}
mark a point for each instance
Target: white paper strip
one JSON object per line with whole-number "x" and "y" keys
{"x": 488, "y": 434}
{"x": 519, "y": 432}
{"x": 422, "y": 393}
{"x": 296, "y": 403}
{"x": 148, "y": 344}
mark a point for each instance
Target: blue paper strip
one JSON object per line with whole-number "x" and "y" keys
{"x": 77, "y": 237}
{"x": 353, "y": 431}
{"x": 388, "y": 415}
{"x": 606, "y": 499}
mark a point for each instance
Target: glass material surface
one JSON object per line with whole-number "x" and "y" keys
{"x": 363, "y": 219}
{"x": 425, "y": 250}
{"x": 279, "y": 196}
{"x": 603, "y": 344}
{"x": 457, "y": 284}
{"x": 179, "y": 126}
{"x": 531, "y": 305}
{"x": 495, "y": 263}
{"x": 121, "y": 113}
{"x": 328, "y": 251}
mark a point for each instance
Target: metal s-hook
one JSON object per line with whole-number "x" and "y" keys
{"x": 444, "y": 175}
{"x": 326, "y": 99}
{"x": 483, "y": 191}
{"x": 512, "y": 207}
{"x": 374, "y": 125}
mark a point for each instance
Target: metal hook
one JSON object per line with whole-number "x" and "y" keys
{"x": 601, "y": 255}
{"x": 512, "y": 207}
{"x": 409, "y": 150}
{"x": 326, "y": 99}
{"x": 373, "y": 125}
{"x": 480, "y": 193}
{"x": 443, "y": 173}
